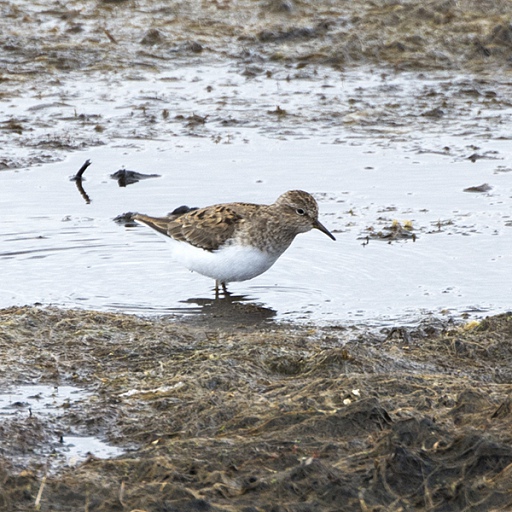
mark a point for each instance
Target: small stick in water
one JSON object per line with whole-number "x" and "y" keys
{"x": 81, "y": 171}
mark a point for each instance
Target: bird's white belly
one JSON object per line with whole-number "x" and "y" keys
{"x": 231, "y": 263}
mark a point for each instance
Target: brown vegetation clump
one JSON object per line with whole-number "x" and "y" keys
{"x": 263, "y": 417}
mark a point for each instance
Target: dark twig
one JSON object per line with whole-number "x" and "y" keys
{"x": 77, "y": 178}
{"x": 79, "y": 174}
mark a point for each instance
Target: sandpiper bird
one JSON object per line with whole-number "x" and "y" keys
{"x": 236, "y": 241}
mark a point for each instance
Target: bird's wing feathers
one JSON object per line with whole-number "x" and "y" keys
{"x": 206, "y": 228}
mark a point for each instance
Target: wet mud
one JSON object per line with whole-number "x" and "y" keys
{"x": 63, "y": 64}
{"x": 107, "y": 35}
{"x": 259, "y": 416}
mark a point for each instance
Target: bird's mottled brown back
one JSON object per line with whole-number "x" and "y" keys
{"x": 207, "y": 228}
{"x": 270, "y": 228}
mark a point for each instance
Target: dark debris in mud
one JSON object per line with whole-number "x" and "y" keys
{"x": 264, "y": 418}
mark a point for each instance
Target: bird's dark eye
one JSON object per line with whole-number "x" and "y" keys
{"x": 301, "y": 211}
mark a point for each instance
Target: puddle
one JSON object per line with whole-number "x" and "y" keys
{"x": 77, "y": 449}
{"x": 39, "y": 411}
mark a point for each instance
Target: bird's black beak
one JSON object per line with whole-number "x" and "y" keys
{"x": 318, "y": 225}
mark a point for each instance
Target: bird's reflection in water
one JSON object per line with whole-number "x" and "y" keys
{"x": 230, "y": 309}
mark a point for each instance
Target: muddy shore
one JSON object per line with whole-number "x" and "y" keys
{"x": 260, "y": 417}
{"x": 105, "y": 43}
{"x": 114, "y": 35}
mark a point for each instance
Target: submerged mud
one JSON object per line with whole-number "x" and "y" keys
{"x": 262, "y": 417}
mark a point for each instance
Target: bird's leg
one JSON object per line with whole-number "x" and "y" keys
{"x": 218, "y": 284}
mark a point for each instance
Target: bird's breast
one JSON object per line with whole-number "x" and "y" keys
{"x": 232, "y": 262}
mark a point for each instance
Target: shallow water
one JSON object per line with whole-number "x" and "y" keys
{"x": 360, "y": 142}
{"x": 39, "y": 402}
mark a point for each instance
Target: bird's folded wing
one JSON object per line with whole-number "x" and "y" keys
{"x": 207, "y": 228}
